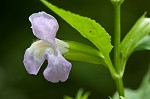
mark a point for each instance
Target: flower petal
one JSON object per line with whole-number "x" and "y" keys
{"x": 35, "y": 56}
{"x": 58, "y": 68}
{"x": 44, "y": 27}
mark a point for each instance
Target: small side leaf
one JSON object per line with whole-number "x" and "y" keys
{"x": 86, "y": 27}
{"x": 144, "y": 44}
{"x": 80, "y": 52}
{"x": 132, "y": 39}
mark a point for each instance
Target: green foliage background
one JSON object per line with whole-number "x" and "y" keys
{"x": 16, "y": 36}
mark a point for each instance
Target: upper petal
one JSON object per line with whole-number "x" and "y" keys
{"x": 44, "y": 26}
{"x": 35, "y": 56}
{"x": 58, "y": 68}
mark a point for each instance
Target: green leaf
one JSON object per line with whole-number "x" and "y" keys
{"x": 132, "y": 39}
{"x": 144, "y": 44}
{"x": 143, "y": 92}
{"x": 67, "y": 97}
{"x": 144, "y": 89}
{"x": 86, "y": 95}
{"x": 80, "y": 52}
{"x": 79, "y": 95}
{"x": 86, "y": 27}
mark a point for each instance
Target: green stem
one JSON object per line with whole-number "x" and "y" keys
{"x": 120, "y": 87}
{"x": 117, "y": 36}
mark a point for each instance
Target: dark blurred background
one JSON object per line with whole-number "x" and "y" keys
{"x": 16, "y": 36}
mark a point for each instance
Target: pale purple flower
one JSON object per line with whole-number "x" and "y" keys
{"x": 44, "y": 27}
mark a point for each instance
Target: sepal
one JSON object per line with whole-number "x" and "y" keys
{"x": 77, "y": 51}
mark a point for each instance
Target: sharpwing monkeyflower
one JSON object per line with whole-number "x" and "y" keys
{"x": 44, "y": 27}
